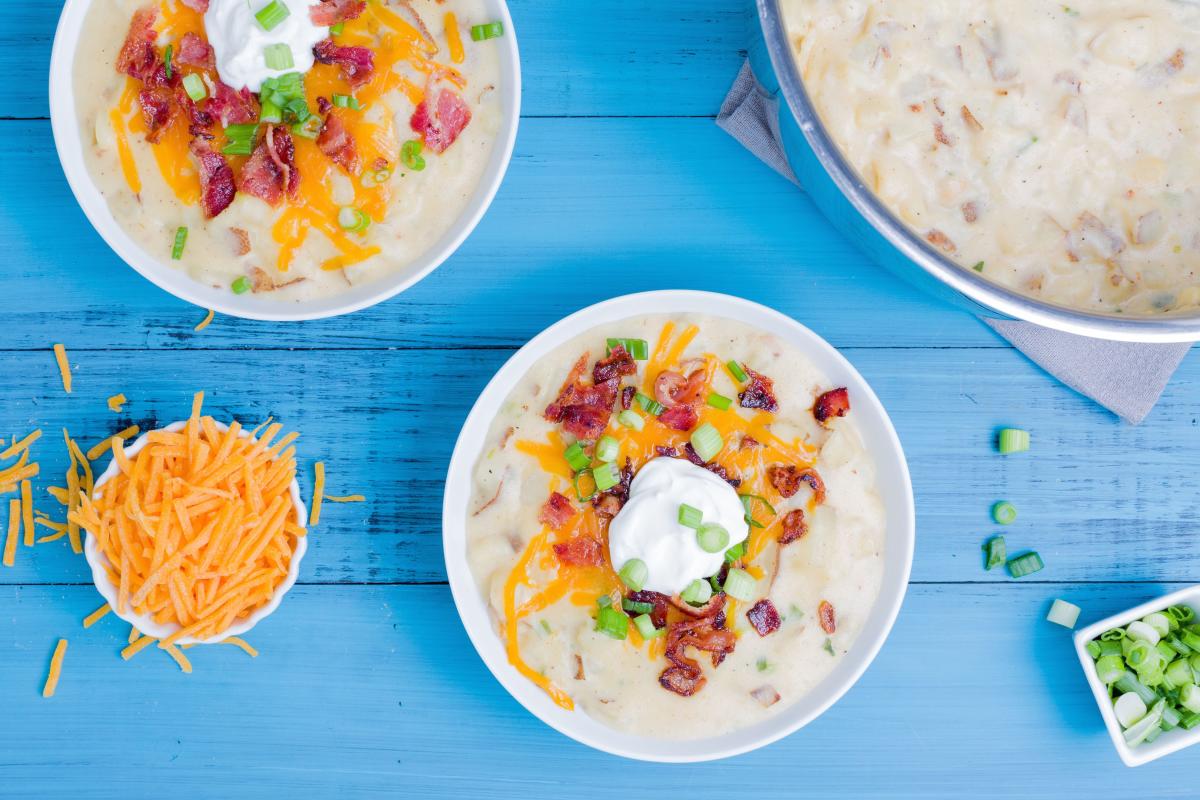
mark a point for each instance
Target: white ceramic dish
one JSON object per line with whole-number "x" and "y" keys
{"x": 98, "y": 561}
{"x": 1169, "y": 741}
{"x": 895, "y": 489}
{"x": 158, "y": 270}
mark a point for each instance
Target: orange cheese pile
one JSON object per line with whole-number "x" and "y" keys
{"x": 198, "y": 527}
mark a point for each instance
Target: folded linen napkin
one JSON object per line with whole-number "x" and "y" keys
{"x": 1125, "y": 378}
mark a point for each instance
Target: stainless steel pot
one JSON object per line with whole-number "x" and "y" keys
{"x": 844, "y": 198}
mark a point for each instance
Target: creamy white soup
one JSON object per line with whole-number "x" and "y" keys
{"x": 1051, "y": 147}
{"x": 675, "y": 523}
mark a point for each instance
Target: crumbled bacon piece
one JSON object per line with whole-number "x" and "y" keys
{"x": 199, "y": 120}
{"x": 941, "y": 241}
{"x": 615, "y": 365}
{"x": 671, "y": 452}
{"x": 336, "y": 141}
{"x": 748, "y": 442}
{"x": 764, "y": 617}
{"x": 759, "y": 393}
{"x": 795, "y": 526}
{"x": 556, "y": 511}
{"x": 331, "y": 12}
{"x": 834, "y": 403}
{"x": 156, "y": 112}
{"x": 216, "y": 179}
{"x": 138, "y": 57}
{"x": 323, "y": 105}
{"x": 680, "y": 418}
{"x": 627, "y": 395}
{"x": 714, "y": 606}
{"x": 660, "y": 602}
{"x": 195, "y": 52}
{"x": 786, "y": 479}
{"x": 242, "y": 241}
{"x": 610, "y": 501}
{"x": 271, "y": 170}
{"x": 197, "y": 5}
{"x": 827, "y": 617}
{"x": 684, "y": 677}
{"x": 440, "y": 127}
{"x": 582, "y": 551}
{"x": 583, "y": 410}
{"x": 766, "y": 695}
{"x": 815, "y": 483}
{"x": 357, "y": 63}
{"x": 233, "y": 107}
{"x": 585, "y": 422}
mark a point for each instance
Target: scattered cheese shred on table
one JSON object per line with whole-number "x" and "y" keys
{"x": 56, "y": 662}
{"x": 19, "y": 446}
{"x": 345, "y": 498}
{"x": 204, "y": 323}
{"x": 137, "y": 646}
{"x": 64, "y": 368}
{"x": 199, "y": 527}
{"x": 179, "y": 657}
{"x": 318, "y": 491}
{"x": 27, "y": 511}
{"x": 237, "y": 641}
{"x": 14, "y": 526}
{"x": 134, "y": 633}
{"x": 72, "y": 496}
{"x": 100, "y": 448}
{"x": 58, "y": 493}
{"x": 94, "y": 617}
{"x": 115, "y": 402}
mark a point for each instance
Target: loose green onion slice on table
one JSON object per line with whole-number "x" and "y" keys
{"x": 690, "y": 516}
{"x": 612, "y": 622}
{"x": 735, "y": 369}
{"x": 1012, "y": 440}
{"x": 645, "y": 627}
{"x": 270, "y": 15}
{"x": 240, "y": 285}
{"x": 346, "y": 101}
{"x": 193, "y": 84}
{"x": 638, "y": 349}
{"x": 1004, "y": 513}
{"x": 352, "y": 219}
{"x": 278, "y": 56}
{"x": 739, "y": 584}
{"x": 719, "y": 401}
{"x": 336, "y": 29}
{"x": 606, "y": 477}
{"x": 1063, "y": 613}
{"x": 241, "y": 139}
{"x": 697, "y": 592}
{"x": 1025, "y": 564}
{"x": 607, "y": 449}
{"x": 712, "y": 538}
{"x": 167, "y": 56}
{"x": 995, "y": 552}
{"x": 410, "y": 155}
{"x": 636, "y": 606}
{"x": 180, "y": 240}
{"x": 634, "y": 573}
{"x": 631, "y": 419}
{"x": 706, "y": 441}
{"x": 490, "y": 30}
{"x": 576, "y": 458}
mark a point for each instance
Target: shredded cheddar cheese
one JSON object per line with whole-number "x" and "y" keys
{"x": 64, "y": 368}
{"x": 27, "y": 511}
{"x": 94, "y": 617}
{"x": 14, "y": 526}
{"x": 345, "y": 498}
{"x": 318, "y": 492}
{"x": 100, "y": 448}
{"x": 204, "y": 323}
{"x": 237, "y": 641}
{"x": 179, "y": 657}
{"x": 454, "y": 41}
{"x": 116, "y": 402}
{"x": 56, "y": 662}
{"x": 23, "y": 444}
{"x": 136, "y": 646}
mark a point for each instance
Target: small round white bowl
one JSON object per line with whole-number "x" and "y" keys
{"x": 894, "y": 487}
{"x": 98, "y": 561}
{"x": 158, "y": 269}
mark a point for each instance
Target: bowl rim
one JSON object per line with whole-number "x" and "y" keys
{"x": 1117, "y": 327}
{"x": 65, "y": 127}
{"x": 98, "y": 562}
{"x": 901, "y": 530}
{"x": 1170, "y": 741}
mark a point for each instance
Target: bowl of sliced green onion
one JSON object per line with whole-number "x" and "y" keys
{"x": 1144, "y": 669}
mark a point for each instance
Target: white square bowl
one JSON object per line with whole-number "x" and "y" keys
{"x": 1169, "y": 741}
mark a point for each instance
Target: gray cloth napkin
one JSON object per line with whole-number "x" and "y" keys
{"x": 1125, "y": 378}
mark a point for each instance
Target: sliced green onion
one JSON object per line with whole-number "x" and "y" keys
{"x": 735, "y": 553}
{"x": 410, "y": 155}
{"x": 735, "y": 369}
{"x": 1110, "y": 648}
{"x": 167, "y": 60}
{"x": 1178, "y": 646}
{"x": 1190, "y": 639}
{"x": 607, "y": 449}
{"x": 638, "y": 349}
{"x": 1171, "y": 718}
{"x": 583, "y": 473}
{"x": 1093, "y": 648}
{"x": 612, "y": 622}
{"x": 631, "y": 419}
{"x": 995, "y": 552}
{"x": 713, "y": 538}
{"x": 576, "y": 458}
{"x": 634, "y": 574}
{"x": 297, "y": 108}
{"x": 1189, "y": 697}
{"x": 278, "y": 57}
{"x": 1114, "y": 635}
{"x": 1166, "y": 651}
{"x": 180, "y": 240}
{"x": 352, "y": 219}
{"x": 1182, "y": 613}
{"x": 241, "y": 139}
{"x": 346, "y": 101}
{"x": 690, "y": 516}
{"x": 648, "y": 404}
{"x": 193, "y": 84}
{"x": 706, "y": 441}
{"x": 828, "y": 646}
{"x": 270, "y": 112}
{"x": 1025, "y": 564}
{"x": 270, "y": 15}
{"x": 636, "y": 606}
{"x": 1147, "y": 724}
{"x": 1160, "y": 622}
{"x": 1129, "y": 709}
{"x": 240, "y": 285}
{"x": 1109, "y": 669}
{"x": 1128, "y": 683}
{"x": 740, "y": 585}
{"x": 748, "y": 501}
{"x": 1063, "y": 613}
{"x": 1004, "y": 513}
{"x": 490, "y": 30}
{"x": 336, "y": 28}
{"x": 604, "y": 601}
{"x": 697, "y": 593}
{"x": 762, "y": 665}
{"x": 606, "y": 477}
{"x": 546, "y": 627}
{"x": 1141, "y": 631}
{"x": 309, "y": 129}
{"x": 1190, "y": 721}
{"x": 1013, "y": 440}
{"x": 645, "y": 627}
{"x": 719, "y": 401}
{"x": 1179, "y": 673}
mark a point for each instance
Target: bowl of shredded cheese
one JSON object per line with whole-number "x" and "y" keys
{"x": 196, "y": 531}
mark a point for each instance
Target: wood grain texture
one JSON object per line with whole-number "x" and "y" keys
{"x": 974, "y": 695}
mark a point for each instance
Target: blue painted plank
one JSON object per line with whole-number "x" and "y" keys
{"x": 363, "y": 691}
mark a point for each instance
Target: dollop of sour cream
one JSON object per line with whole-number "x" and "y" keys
{"x": 648, "y": 526}
{"x": 239, "y": 40}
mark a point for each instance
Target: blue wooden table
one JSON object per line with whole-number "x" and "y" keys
{"x": 367, "y": 683}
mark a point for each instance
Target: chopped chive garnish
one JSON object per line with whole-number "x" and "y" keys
{"x": 636, "y": 606}
{"x": 1066, "y": 614}
{"x": 1004, "y": 513}
{"x": 336, "y": 29}
{"x": 240, "y": 285}
{"x": 634, "y": 573}
{"x": 697, "y": 593}
{"x": 278, "y": 56}
{"x": 490, "y": 30}
{"x": 763, "y": 665}
{"x": 996, "y": 552}
{"x": 193, "y": 84}
{"x": 606, "y": 477}
{"x": 740, "y": 585}
{"x": 1025, "y": 564}
{"x": 828, "y": 646}
{"x": 648, "y": 404}
{"x": 607, "y": 449}
{"x": 631, "y": 419}
{"x": 612, "y": 622}
{"x": 978, "y": 267}
{"x": 167, "y": 56}
{"x": 690, "y": 516}
{"x": 1013, "y": 440}
{"x": 576, "y": 458}
{"x": 713, "y": 538}
{"x": 645, "y": 627}
{"x": 638, "y": 349}
{"x": 270, "y": 15}
{"x": 735, "y": 553}
{"x": 546, "y": 627}
{"x": 180, "y": 240}
{"x": 706, "y": 441}
{"x": 719, "y": 401}
{"x": 735, "y": 369}
{"x": 346, "y": 101}
{"x": 410, "y": 155}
